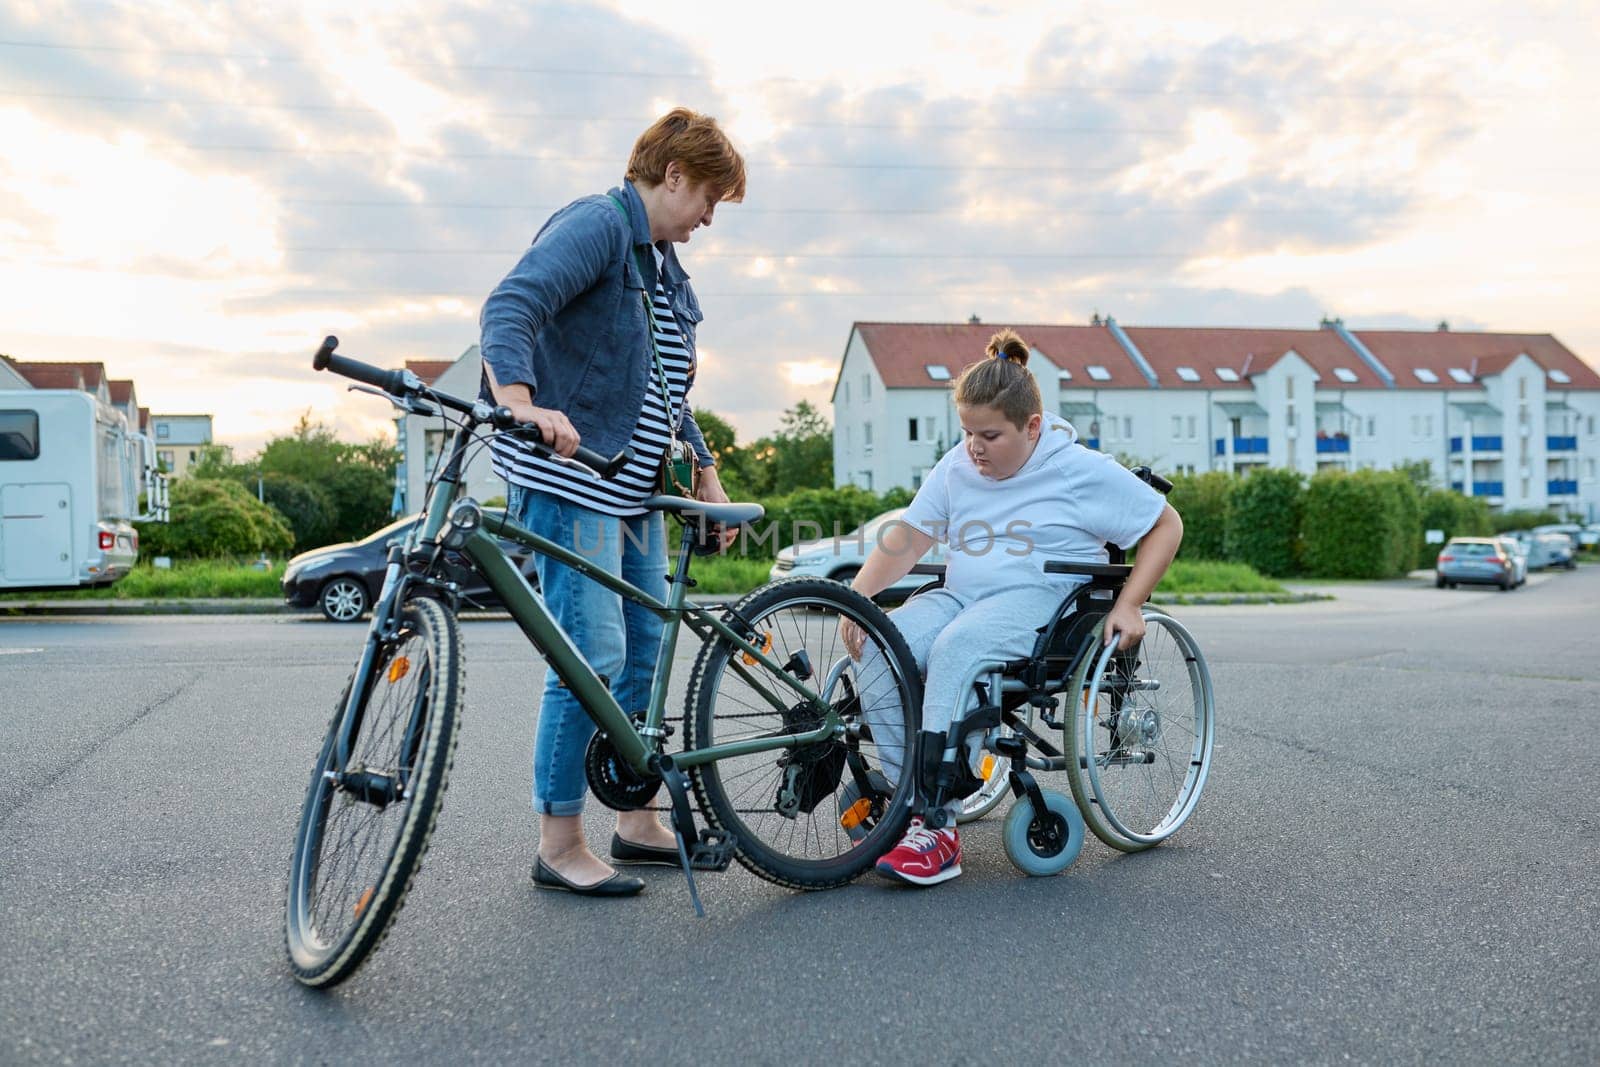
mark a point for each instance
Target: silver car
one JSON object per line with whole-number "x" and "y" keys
{"x": 840, "y": 558}
{"x": 1475, "y": 560}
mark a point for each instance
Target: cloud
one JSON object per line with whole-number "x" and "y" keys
{"x": 399, "y": 162}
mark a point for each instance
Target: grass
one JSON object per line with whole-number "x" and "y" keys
{"x": 717, "y": 575}
{"x": 197, "y": 578}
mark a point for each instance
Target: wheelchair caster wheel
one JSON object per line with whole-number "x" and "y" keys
{"x": 1046, "y": 843}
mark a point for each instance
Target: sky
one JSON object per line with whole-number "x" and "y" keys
{"x": 196, "y": 193}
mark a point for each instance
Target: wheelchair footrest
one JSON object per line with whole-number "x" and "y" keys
{"x": 713, "y": 851}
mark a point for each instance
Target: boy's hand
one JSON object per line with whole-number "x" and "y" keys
{"x": 1125, "y": 625}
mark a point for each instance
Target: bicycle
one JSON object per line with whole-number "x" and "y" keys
{"x": 773, "y": 726}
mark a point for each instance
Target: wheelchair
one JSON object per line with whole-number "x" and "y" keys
{"x": 1136, "y": 728}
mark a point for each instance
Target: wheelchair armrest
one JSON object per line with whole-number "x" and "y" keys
{"x": 936, "y": 569}
{"x": 1089, "y": 570}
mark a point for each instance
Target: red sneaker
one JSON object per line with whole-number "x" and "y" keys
{"x": 923, "y": 856}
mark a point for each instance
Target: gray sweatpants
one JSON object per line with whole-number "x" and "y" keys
{"x": 947, "y": 633}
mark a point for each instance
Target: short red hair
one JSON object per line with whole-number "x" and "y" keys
{"x": 700, "y": 148}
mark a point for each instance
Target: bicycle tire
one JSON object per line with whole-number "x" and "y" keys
{"x": 797, "y": 614}
{"x": 321, "y": 951}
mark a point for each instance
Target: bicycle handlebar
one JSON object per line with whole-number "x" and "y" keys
{"x": 394, "y": 382}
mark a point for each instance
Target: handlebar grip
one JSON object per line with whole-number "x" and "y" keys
{"x": 606, "y": 468}
{"x": 390, "y": 381}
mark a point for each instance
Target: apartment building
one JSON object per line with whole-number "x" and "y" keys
{"x": 1508, "y": 417}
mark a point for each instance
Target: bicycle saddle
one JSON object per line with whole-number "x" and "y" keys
{"x": 695, "y": 510}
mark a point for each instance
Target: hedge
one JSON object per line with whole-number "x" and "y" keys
{"x": 1455, "y": 515}
{"x": 1203, "y": 500}
{"x": 1264, "y": 522}
{"x": 214, "y": 518}
{"x": 1359, "y": 525}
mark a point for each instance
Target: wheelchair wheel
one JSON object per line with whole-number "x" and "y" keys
{"x": 1140, "y": 734}
{"x": 995, "y": 786}
{"x": 1040, "y": 844}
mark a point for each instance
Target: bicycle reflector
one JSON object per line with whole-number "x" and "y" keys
{"x": 399, "y": 668}
{"x": 852, "y": 816}
{"x": 987, "y": 770}
{"x": 766, "y": 650}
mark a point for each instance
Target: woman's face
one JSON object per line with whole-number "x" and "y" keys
{"x": 998, "y": 447}
{"x": 683, "y": 206}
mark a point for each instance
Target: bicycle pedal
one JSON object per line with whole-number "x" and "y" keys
{"x": 713, "y": 851}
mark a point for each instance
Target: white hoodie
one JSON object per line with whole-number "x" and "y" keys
{"x": 1064, "y": 503}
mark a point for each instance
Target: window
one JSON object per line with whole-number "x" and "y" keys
{"x": 1416, "y": 426}
{"x": 1425, "y": 375}
{"x": 1427, "y": 425}
{"x": 866, "y": 437}
{"x": 164, "y": 457}
{"x": 1372, "y": 427}
{"x": 1188, "y": 374}
{"x": 1524, "y": 488}
{"x": 1177, "y": 427}
{"x": 844, "y": 392}
{"x": 1194, "y": 430}
{"x": 1291, "y": 412}
{"x": 192, "y": 455}
{"x": 1591, "y": 425}
{"x": 1588, "y": 467}
{"x": 927, "y": 429}
{"x": 1344, "y": 374}
{"x": 912, "y": 432}
{"x": 1099, "y": 373}
{"x": 1065, "y": 376}
{"x": 1111, "y": 429}
{"x": 1457, "y": 374}
{"x": 163, "y": 431}
{"x": 1560, "y": 377}
{"x": 1127, "y": 427}
{"x": 938, "y": 372}
{"x": 1288, "y": 392}
{"x": 916, "y": 479}
{"x": 1522, "y": 388}
{"x": 1227, "y": 374}
{"x": 19, "y": 435}
{"x": 866, "y": 388}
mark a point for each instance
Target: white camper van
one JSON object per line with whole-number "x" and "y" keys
{"x": 71, "y": 478}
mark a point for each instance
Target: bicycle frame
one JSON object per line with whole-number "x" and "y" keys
{"x": 638, "y": 745}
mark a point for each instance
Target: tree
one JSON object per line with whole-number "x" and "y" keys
{"x": 215, "y": 517}
{"x": 355, "y": 482}
{"x": 803, "y": 450}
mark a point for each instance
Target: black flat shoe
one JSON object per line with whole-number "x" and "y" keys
{"x": 618, "y": 885}
{"x": 628, "y": 852}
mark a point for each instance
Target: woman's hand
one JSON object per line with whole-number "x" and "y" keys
{"x": 554, "y": 427}
{"x": 854, "y": 637}
{"x": 709, "y": 490}
{"x": 1125, "y": 625}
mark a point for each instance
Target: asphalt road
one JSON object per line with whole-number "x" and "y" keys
{"x": 1395, "y": 862}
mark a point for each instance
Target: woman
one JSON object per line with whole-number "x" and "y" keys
{"x": 567, "y": 345}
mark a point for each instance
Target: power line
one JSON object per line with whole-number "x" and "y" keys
{"x": 348, "y": 109}
{"x": 592, "y": 72}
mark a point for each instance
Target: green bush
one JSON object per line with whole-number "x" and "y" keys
{"x": 1455, "y": 515}
{"x": 812, "y": 514}
{"x": 1359, "y": 525}
{"x": 1522, "y": 520}
{"x": 1203, "y": 501}
{"x": 213, "y": 518}
{"x": 1263, "y": 521}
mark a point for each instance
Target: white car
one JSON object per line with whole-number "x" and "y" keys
{"x": 841, "y": 557}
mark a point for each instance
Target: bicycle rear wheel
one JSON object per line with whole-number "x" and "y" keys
{"x": 363, "y": 830}
{"x": 1139, "y": 734}
{"x": 812, "y": 816}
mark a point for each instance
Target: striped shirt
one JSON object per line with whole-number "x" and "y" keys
{"x": 620, "y": 496}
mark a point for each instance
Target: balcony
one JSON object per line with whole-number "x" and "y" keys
{"x": 1483, "y": 488}
{"x": 1333, "y": 444}
{"x": 1091, "y": 442}
{"x": 1561, "y": 444}
{"x": 1562, "y": 487}
{"x": 1483, "y": 443}
{"x": 1243, "y": 446}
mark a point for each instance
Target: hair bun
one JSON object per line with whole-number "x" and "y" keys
{"x": 1008, "y": 347}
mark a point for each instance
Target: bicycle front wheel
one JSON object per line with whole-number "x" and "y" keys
{"x": 816, "y": 815}
{"x": 365, "y": 826}
{"x": 1139, "y": 734}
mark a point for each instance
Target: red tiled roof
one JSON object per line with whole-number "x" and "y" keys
{"x": 429, "y": 369}
{"x": 1439, "y": 350}
{"x": 52, "y": 375}
{"x": 91, "y": 373}
{"x": 1206, "y": 349}
{"x": 144, "y": 420}
{"x": 121, "y": 390}
{"x": 902, "y": 351}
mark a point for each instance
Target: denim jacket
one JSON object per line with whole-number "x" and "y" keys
{"x": 569, "y": 323}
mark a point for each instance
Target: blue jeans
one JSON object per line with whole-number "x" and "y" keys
{"x": 619, "y": 638}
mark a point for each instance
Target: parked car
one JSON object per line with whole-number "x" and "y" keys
{"x": 1589, "y": 536}
{"x": 841, "y": 557}
{"x": 1475, "y": 560}
{"x": 1545, "y": 549}
{"x": 343, "y": 580}
{"x": 1519, "y": 559}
